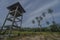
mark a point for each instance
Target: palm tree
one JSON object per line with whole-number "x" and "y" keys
{"x": 51, "y": 12}
{"x": 44, "y": 14}
{"x": 33, "y": 21}
{"x": 41, "y": 18}
{"x": 38, "y": 19}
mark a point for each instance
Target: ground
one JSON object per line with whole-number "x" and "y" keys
{"x": 37, "y": 36}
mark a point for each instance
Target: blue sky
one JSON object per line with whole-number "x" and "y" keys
{"x": 33, "y": 9}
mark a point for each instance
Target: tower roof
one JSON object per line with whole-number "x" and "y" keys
{"x": 14, "y": 6}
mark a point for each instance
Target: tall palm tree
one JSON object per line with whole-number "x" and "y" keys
{"x": 41, "y": 18}
{"x": 38, "y": 19}
{"x": 44, "y": 14}
{"x": 51, "y": 12}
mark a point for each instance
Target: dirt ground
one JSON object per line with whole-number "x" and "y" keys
{"x": 39, "y": 37}
{"x": 35, "y": 37}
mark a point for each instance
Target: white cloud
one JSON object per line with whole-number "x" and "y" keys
{"x": 45, "y": 7}
{"x": 47, "y": 18}
{"x": 37, "y": 12}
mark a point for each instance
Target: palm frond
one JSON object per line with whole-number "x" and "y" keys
{"x": 41, "y": 18}
{"x": 50, "y": 10}
{"x": 43, "y": 14}
{"x": 37, "y": 18}
{"x": 47, "y": 23}
{"x": 33, "y": 21}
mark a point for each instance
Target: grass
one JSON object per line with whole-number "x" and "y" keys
{"x": 32, "y": 34}
{"x": 16, "y": 32}
{"x": 24, "y": 34}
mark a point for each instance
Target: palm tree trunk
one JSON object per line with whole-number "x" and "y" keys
{"x": 53, "y": 19}
{"x": 39, "y": 25}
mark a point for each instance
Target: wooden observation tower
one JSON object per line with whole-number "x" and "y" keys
{"x": 15, "y": 15}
